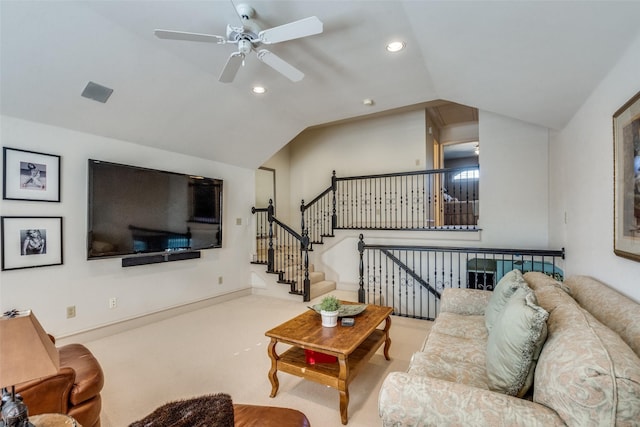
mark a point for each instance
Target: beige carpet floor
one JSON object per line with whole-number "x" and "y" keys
{"x": 222, "y": 348}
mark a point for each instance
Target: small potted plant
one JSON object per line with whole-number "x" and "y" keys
{"x": 329, "y": 307}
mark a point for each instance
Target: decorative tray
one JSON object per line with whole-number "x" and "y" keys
{"x": 346, "y": 310}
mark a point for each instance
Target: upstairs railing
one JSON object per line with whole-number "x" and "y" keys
{"x": 419, "y": 200}
{"x": 411, "y": 278}
{"x": 284, "y": 251}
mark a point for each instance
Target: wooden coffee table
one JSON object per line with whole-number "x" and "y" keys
{"x": 352, "y": 345}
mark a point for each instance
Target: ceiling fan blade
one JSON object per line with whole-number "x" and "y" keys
{"x": 293, "y": 30}
{"x": 192, "y": 37}
{"x": 231, "y": 67}
{"x": 281, "y": 66}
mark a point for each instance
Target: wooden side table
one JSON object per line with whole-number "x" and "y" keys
{"x": 53, "y": 420}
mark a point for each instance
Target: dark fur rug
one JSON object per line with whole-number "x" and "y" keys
{"x": 215, "y": 410}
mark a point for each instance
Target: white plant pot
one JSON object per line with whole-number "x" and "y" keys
{"x": 329, "y": 318}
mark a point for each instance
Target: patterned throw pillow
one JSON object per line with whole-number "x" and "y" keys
{"x": 503, "y": 291}
{"x": 514, "y": 344}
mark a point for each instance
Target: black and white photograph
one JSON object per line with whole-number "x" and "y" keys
{"x": 33, "y": 241}
{"x": 30, "y": 176}
{"x": 33, "y": 176}
{"x": 29, "y": 242}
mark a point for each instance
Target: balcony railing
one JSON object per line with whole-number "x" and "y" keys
{"x": 411, "y": 278}
{"x": 440, "y": 199}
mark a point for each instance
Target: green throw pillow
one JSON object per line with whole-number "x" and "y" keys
{"x": 503, "y": 291}
{"x": 514, "y": 344}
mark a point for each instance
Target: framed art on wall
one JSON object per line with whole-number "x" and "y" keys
{"x": 30, "y": 176}
{"x": 34, "y": 241}
{"x": 626, "y": 180}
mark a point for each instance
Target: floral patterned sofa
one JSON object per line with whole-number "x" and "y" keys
{"x": 575, "y": 358}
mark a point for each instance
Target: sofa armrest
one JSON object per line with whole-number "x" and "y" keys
{"x": 464, "y": 301}
{"x": 411, "y": 400}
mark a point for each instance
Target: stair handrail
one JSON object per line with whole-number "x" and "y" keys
{"x": 303, "y": 239}
{"x": 409, "y": 271}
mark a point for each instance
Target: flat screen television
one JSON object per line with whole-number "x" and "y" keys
{"x": 135, "y": 210}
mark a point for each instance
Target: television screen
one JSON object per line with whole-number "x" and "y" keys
{"x": 135, "y": 210}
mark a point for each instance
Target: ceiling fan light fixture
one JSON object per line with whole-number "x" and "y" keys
{"x": 396, "y": 46}
{"x": 249, "y": 38}
{"x": 259, "y": 90}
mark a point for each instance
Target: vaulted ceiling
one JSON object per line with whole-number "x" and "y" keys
{"x": 536, "y": 61}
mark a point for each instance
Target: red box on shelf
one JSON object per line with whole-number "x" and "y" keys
{"x": 313, "y": 357}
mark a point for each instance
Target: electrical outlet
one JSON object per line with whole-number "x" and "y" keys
{"x": 219, "y": 280}
{"x": 71, "y": 311}
{"x": 113, "y": 302}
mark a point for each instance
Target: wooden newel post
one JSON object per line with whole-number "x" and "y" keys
{"x": 334, "y": 216}
{"x": 302, "y": 210}
{"x": 361, "y": 294}
{"x": 270, "y": 251}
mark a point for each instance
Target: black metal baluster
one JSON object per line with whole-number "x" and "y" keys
{"x": 361, "y": 291}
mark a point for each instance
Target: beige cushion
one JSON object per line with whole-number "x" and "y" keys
{"x": 514, "y": 344}
{"x": 501, "y": 294}
{"x": 586, "y": 372}
{"x": 537, "y": 280}
{"x": 620, "y": 313}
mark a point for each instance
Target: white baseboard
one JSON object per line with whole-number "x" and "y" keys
{"x": 145, "y": 319}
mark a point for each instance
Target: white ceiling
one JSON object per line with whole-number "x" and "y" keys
{"x": 536, "y": 61}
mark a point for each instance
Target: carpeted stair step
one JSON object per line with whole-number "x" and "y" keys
{"x": 322, "y": 287}
{"x": 316, "y": 276}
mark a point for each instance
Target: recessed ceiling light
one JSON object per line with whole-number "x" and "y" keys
{"x": 396, "y": 46}
{"x": 259, "y": 89}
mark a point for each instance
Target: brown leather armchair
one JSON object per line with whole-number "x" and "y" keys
{"x": 74, "y": 390}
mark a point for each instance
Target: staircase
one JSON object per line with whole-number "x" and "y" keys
{"x": 319, "y": 284}
{"x": 292, "y": 274}
{"x": 411, "y": 201}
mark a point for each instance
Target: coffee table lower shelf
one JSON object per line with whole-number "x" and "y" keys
{"x": 337, "y": 375}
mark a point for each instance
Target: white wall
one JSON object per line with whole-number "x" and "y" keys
{"x": 581, "y": 176}
{"x": 281, "y": 163}
{"x": 393, "y": 143}
{"x": 89, "y": 284}
{"x": 514, "y": 188}
{"x": 514, "y": 170}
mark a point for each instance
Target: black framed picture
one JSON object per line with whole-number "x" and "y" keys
{"x": 30, "y": 176}
{"x": 28, "y": 242}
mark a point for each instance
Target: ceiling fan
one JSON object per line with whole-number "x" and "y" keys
{"x": 249, "y": 37}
